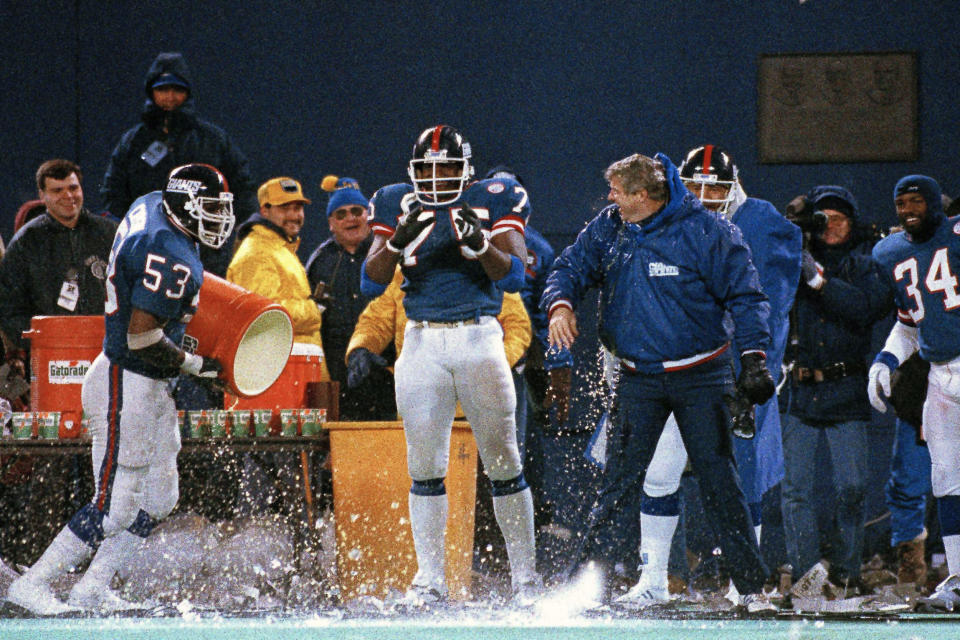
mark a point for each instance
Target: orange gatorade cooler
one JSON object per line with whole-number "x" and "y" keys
{"x": 290, "y": 389}
{"x": 250, "y": 335}
{"x": 62, "y": 348}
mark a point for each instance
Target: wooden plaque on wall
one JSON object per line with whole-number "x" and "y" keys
{"x": 837, "y": 107}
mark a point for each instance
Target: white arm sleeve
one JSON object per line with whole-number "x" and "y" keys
{"x": 902, "y": 341}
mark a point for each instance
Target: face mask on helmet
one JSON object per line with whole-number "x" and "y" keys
{"x": 440, "y": 168}
{"x": 709, "y": 173}
{"x": 198, "y": 202}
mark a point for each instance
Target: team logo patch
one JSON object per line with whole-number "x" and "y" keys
{"x": 956, "y": 229}
{"x": 658, "y": 269}
{"x": 495, "y": 187}
{"x": 182, "y": 185}
{"x": 67, "y": 371}
{"x": 189, "y": 343}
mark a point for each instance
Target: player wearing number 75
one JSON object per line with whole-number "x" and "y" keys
{"x": 153, "y": 289}
{"x": 922, "y": 264}
{"x": 459, "y": 244}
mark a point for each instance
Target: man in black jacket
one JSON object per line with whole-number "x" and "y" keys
{"x": 839, "y": 299}
{"x": 334, "y": 267}
{"x": 172, "y": 134}
{"x": 56, "y": 265}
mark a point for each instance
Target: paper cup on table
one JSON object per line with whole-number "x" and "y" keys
{"x": 289, "y": 419}
{"x": 218, "y": 423}
{"x": 261, "y": 421}
{"x": 21, "y": 425}
{"x": 199, "y": 422}
{"x": 241, "y": 424}
{"x": 48, "y": 425}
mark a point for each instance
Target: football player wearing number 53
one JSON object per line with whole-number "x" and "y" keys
{"x": 459, "y": 244}
{"x": 921, "y": 263}
{"x": 153, "y": 287}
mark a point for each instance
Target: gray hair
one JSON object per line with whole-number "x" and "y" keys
{"x": 638, "y": 172}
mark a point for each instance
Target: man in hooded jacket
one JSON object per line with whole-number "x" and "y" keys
{"x": 172, "y": 134}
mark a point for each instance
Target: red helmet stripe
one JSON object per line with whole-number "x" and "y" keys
{"x": 435, "y": 141}
{"x": 707, "y": 158}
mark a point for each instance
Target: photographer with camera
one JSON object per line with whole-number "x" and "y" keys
{"x": 333, "y": 270}
{"x": 839, "y": 299}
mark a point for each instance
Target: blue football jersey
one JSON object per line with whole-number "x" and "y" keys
{"x": 153, "y": 267}
{"x": 441, "y": 283}
{"x": 924, "y": 277}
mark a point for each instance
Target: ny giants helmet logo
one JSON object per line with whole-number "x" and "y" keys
{"x": 180, "y": 185}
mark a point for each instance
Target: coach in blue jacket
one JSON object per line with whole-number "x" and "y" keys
{"x": 668, "y": 271}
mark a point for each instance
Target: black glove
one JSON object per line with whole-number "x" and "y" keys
{"x": 755, "y": 381}
{"x": 469, "y": 230}
{"x": 359, "y": 363}
{"x": 811, "y": 271}
{"x": 209, "y": 374}
{"x": 410, "y": 224}
{"x": 742, "y": 415}
{"x": 210, "y": 368}
{"x": 201, "y": 366}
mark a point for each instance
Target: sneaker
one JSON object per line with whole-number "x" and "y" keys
{"x": 100, "y": 599}
{"x": 757, "y": 603}
{"x": 946, "y": 597}
{"x": 642, "y": 596}
{"x": 526, "y": 594}
{"x": 420, "y": 596}
{"x": 37, "y": 598}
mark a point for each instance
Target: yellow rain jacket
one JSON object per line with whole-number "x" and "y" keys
{"x": 384, "y": 320}
{"x": 266, "y": 263}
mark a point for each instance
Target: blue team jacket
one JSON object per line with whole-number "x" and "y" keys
{"x": 665, "y": 285}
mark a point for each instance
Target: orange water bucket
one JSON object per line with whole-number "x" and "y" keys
{"x": 290, "y": 389}
{"x": 249, "y": 334}
{"x": 62, "y": 348}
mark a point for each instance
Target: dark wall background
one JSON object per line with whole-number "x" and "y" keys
{"x": 558, "y": 90}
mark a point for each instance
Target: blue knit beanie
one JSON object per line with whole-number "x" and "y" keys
{"x": 344, "y": 191}
{"x": 926, "y": 187}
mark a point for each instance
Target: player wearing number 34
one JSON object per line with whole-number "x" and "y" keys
{"x": 922, "y": 264}
{"x": 153, "y": 289}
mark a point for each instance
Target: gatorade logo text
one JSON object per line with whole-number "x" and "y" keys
{"x": 67, "y": 371}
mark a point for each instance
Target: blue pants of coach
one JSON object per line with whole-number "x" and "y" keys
{"x": 641, "y": 407}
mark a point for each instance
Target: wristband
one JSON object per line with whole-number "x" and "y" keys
{"x": 513, "y": 280}
{"x": 888, "y": 359}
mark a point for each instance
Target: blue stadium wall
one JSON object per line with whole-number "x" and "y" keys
{"x": 558, "y": 90}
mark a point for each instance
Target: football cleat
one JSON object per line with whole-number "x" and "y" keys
{"x": 757, "y": 603}
{"x": 100, "y": 599}
{"x": 37, "y": 598}
{"x": 946, "y": 597}
{"x": 420, "y": 596}
{"x": 642, "y": 596}
{"x": 526, "y": 594}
